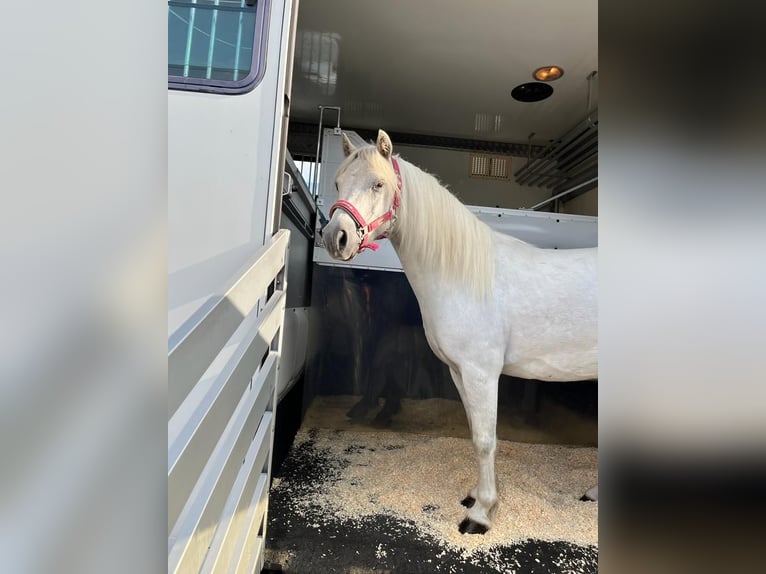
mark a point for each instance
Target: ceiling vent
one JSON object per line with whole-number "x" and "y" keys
{"x": 490, "y": 166}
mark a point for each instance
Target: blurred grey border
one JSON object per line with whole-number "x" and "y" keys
{"x": 83, "y": 156}
{"x": 682, "y": 202}
{"x": 682, "y": 278}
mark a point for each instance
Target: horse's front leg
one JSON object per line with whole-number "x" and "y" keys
{"x": 478, "y": 391}
{"x": 591, "y": 494}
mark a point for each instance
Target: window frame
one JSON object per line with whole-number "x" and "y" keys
{"x": 257, "y": 63}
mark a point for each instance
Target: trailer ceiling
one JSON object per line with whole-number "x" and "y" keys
{"x": 444, "y": 67}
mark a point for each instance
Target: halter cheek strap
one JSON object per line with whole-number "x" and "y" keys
{"x": 363, "y": 228}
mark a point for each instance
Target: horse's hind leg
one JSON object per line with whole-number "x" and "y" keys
{"x": 370, "y": 387}
{"x": 478, "y": 392}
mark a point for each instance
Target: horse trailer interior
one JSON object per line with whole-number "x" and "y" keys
{"x": 311, "y": 427}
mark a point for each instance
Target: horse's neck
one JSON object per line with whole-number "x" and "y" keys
{"x": 437, "y": 238}
{"x": 406, "y": 224}
{"x": 416, "y": 182}
{"x": 418, "y": 277}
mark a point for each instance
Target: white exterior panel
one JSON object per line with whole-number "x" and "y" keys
{"x": 227, "y": 280}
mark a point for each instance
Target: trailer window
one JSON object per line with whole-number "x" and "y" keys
{"x": 215, "y": 45}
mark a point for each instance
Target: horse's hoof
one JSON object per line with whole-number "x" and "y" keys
{"x": 358, "y": 411}
{"x": 382, "y": 420}
{"x": 469, "y": 526}
{"x": 591, "y": 495}
{"x": 468, "y": 501}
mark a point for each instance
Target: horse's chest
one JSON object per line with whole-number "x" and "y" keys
{"x": 454, "y": 331}
{"x": 433, "y": 343}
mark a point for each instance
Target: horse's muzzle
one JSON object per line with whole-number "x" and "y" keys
{"x": 340, "y": 237}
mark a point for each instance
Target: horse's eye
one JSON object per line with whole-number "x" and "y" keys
{"x": 379, "y": 185}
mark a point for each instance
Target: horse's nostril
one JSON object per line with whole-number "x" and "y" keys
{"x": 342, "y": 240}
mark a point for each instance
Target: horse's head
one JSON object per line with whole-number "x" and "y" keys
{"x": 368, "y": 185}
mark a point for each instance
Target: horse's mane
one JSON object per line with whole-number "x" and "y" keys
{"x": 436, "y": 230}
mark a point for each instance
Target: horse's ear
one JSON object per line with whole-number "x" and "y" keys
{"x": 385, "y": 147}
{"x": 348, "y": 147}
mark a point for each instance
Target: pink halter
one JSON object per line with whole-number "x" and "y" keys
{"x": 364, "y": 229}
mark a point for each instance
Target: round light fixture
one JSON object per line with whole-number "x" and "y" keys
{"x": 531, "y": 92}
{"x": 548, "y": 73}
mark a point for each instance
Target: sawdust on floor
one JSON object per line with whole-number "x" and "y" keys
{"x": 421, "y": 478}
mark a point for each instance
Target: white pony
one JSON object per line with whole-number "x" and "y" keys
{"x": 490, "y": 303}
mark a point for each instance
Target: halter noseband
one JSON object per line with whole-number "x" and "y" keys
{"x": 364, "y": 229}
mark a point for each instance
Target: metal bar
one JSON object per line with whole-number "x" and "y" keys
{"x": 576, "y": 155}
{"x": 300, "y": 183}
{"x": 567, "y": 166}
{"x": 189, "y": 358}
{"x": 590, "y": 86}
{"x": 301, "y": 130}
{"x": 548, "y": 179}
{"x": 211, "y": 42}
{"x": 189, "y": 36}
{"x": 319, "y": 141}
{"x": 289, "y": 209}
{"x": 193, "y": 443}
{"x": 528, "y": 170}
{"x": 314, "y": 42}
{"x": 561, "y": 157}
{"x": 316, "y": 157}
{"x": 192, "y": 535}
{"x": 219, "y": 8}
{"x": 234, "y": 526}
{"x": 553, "y": 150}
{"x": 251, "y": 556}
{"x": 244, "y": 520}
{"x": 558, "y": 149}
{"x": 313, "y": 174}
{"x": 325, "y": 86}
{"x": 238, "y": 46}
{"x": 529, "y": 149}
{"x": 583, "y": 166}
{"x": 562, "y": 194}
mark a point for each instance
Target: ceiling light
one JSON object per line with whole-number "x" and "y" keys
{"x": 548, "y": 73}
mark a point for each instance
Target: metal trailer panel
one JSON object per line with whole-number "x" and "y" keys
{"x": 298, "y": 215}
{"x": 191, "y": 356}
{"x": 220, "y": 439}
{"x": 193, "y": 437}
{"x": 192, "y": 534}
{"x": 226, "y": 308}
{"x": 242, "y": 511}
{"x": 224, "y": 175}
{"x": 292, "y": 360}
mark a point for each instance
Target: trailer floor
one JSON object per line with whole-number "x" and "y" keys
{"x": 359, "y": 499}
